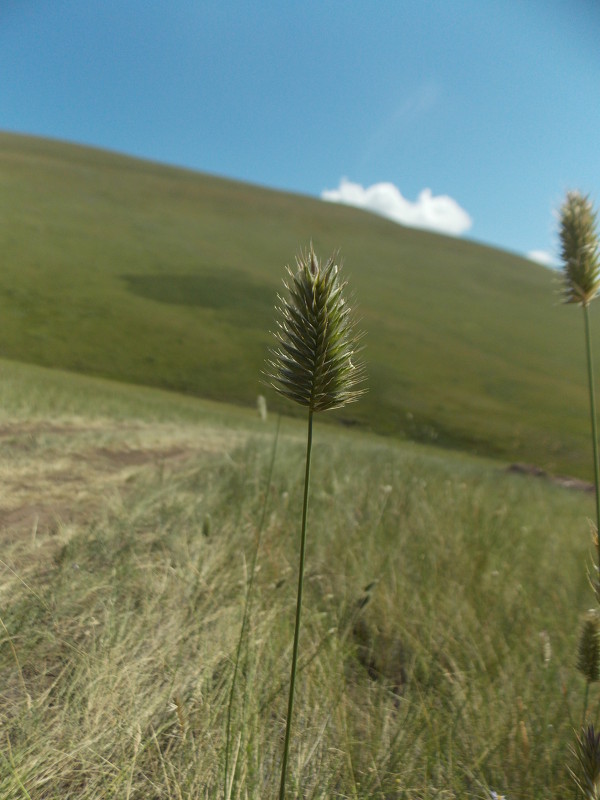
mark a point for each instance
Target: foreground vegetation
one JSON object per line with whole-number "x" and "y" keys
{"x": 451, "y": 676}
{"x": 169, "y": 278}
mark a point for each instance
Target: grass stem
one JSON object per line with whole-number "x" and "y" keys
{"x": 288, "y": 725}
{"x": 588, "y": 344}
{"x": 247, "y": 611}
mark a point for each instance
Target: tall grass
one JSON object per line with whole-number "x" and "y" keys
{"x": 314, "y": 364}
{"x": 247, "y": 613}
{"x": 441, "y": 601}
{"x": 581, "y": 283}
{"x": 126, "y": 631}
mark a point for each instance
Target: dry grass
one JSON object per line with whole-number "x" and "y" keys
{"x": 121, "y": 621}
{"x": 56, "y": 477}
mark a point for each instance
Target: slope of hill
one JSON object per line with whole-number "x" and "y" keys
{"x": 149, "y": 274}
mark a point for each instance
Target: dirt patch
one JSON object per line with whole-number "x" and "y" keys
{"x": 129, "y": 458}
{"x": 61, "y": 474}
{"x": 35, "y": 518}
{"x": 559, "y": 480}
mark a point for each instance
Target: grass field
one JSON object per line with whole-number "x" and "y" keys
{"x": 129, "y": 518}
{"x": 151, "y": 275}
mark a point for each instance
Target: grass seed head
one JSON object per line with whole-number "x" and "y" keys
{"x": 587, "y": 772}
{"x": 313, "y": 362}
{"x": 546, "y": 648}
{"x": 588, "y": 651}
{"x": 579, "y": 250}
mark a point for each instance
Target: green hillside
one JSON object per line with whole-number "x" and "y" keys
{"x": 127, "y": 269}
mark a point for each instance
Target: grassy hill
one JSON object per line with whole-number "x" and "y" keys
{"x": 127, "y": 269}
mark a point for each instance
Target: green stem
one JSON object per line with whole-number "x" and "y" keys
{"x": 288, "y": 726}
{"x": 588, "y": 342}
{"x": 247, "y": 610}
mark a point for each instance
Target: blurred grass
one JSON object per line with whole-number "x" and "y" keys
{"x": 148, "y": 274}
{"x": 120, "y": 627}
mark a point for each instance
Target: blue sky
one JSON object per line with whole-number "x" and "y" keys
{"x": 470, "y": 116}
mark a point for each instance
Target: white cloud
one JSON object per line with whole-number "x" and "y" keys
{"x": 543, "y": 257}
{"x": 434, "y": 212}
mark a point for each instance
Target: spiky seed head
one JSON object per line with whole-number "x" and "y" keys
{"x": 588, "y": 650}
{"x": 579, "y": 250}
{"x": 313, "y": 362}
{"x": 587, "y": 771}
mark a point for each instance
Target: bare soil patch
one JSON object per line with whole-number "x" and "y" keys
{"x": 61, "y": 474}
{"x": 566, "y": 481}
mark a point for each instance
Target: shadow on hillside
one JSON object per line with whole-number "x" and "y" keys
{"x": 231, "y": 290}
